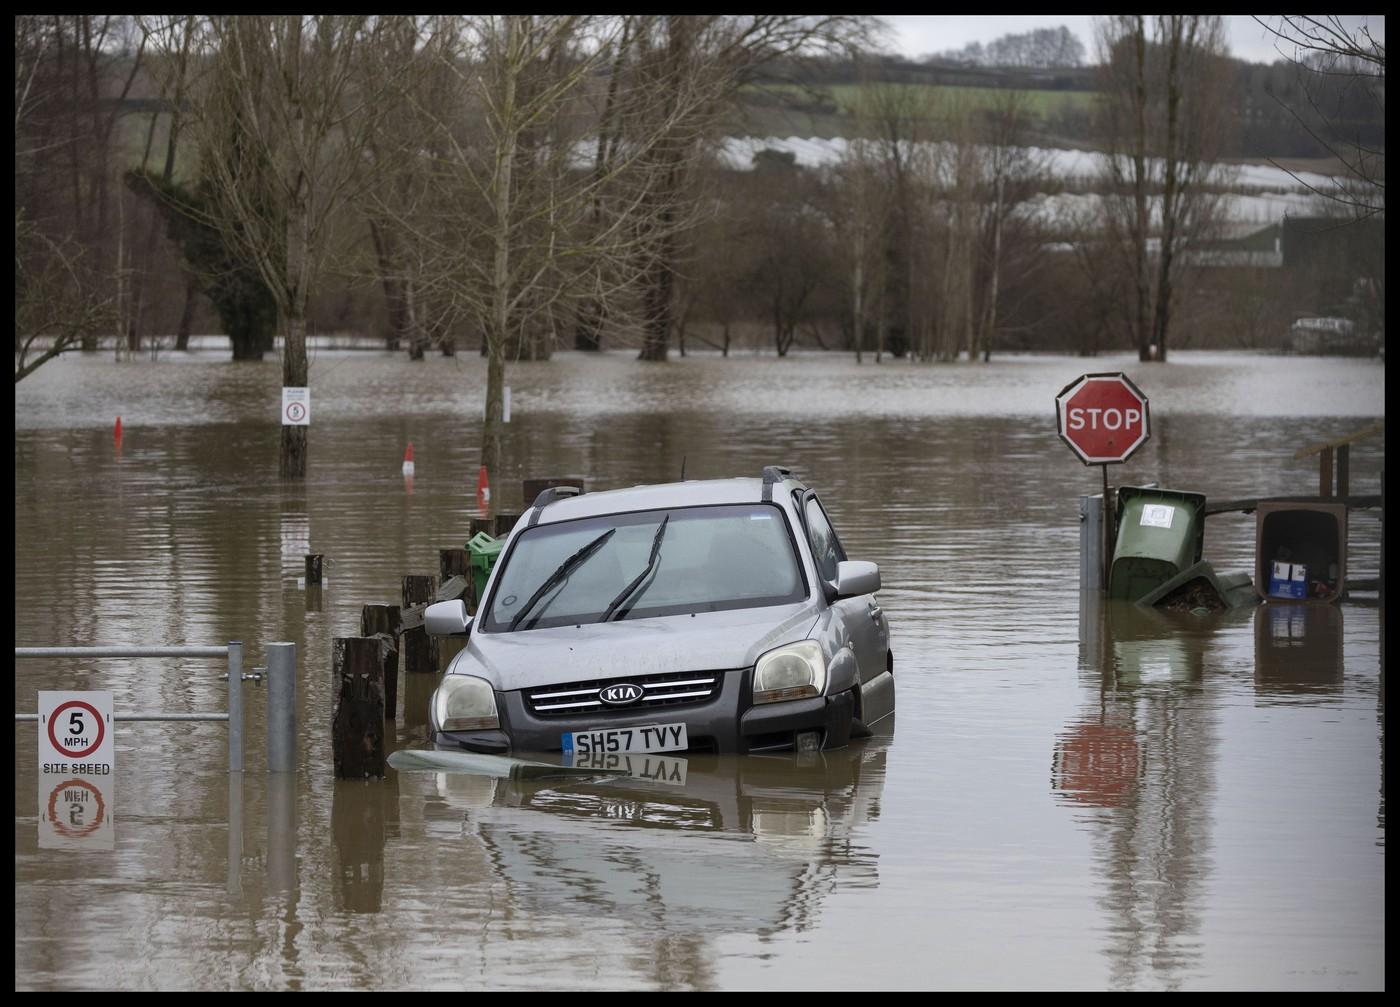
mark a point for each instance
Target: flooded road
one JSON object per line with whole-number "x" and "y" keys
{"x": 1073, "y": 796}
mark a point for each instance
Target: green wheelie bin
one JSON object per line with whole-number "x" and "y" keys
{"x": 482, "y": 551}
{"x": 1160, "y": 533}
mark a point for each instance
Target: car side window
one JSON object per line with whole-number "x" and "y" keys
{"x": 826, "y": 548}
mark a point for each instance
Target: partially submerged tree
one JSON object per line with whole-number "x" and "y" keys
{"x": 711, "y": 55}
{"x": 280, "y": 119}
{"x": 514, "y": 225}
{"x": 1164, "y": 99}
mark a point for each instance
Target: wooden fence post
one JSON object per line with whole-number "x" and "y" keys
{"x": 357, "y": 724}
{"x": 504, "y": 523}
{"x": 382, "y": 622}
{"x": 455, "y": 563}
{"x": 415, "y": 644}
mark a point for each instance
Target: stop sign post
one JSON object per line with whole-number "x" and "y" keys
{"x": 1104, "y": 420}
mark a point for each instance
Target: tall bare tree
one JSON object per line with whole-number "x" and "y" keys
{"x": 1165, "y": 95}
{"x": 713, "y": 55}
{"x": 280, "y": 125}
{"x": 515, "y": 225}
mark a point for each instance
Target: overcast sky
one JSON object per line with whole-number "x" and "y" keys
{"x": 916, "y": 35}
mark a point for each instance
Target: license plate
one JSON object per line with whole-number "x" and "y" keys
{"x": 622, "y": 740}
{"x": 657, "y": 768}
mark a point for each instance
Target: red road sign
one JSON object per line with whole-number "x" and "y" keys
{"x": 83, "y": 735}
{"x": 1102, "y": 417}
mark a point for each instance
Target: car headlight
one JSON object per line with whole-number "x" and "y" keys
{"x": 796, "y": 671}
{"x": 464, "y": 703}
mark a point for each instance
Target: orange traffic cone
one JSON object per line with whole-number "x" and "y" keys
{"x": 483, "y": 488}
{"x": 408, "y": 460}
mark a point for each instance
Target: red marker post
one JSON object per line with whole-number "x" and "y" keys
{"x": 1104, "y": 420}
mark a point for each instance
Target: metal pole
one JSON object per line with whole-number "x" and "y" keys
{"x": 1107, "y": 530}
{"x": 128, "y": 717}
{"x": 235, "y": 833}
{"x": 120, "y": 651}
{"x": 1090, "y": 543}
{"x": 235, "y": 706}
{"x": 281, "y": 707}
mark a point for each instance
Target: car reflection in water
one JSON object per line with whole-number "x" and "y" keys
{"x": 749, "y": 843}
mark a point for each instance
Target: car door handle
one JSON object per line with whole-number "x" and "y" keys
{"x": 875, "y": 612}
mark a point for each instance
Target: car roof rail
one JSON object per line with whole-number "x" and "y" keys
{"x": 553, "y": 493}
{"x": 773, "y": 474}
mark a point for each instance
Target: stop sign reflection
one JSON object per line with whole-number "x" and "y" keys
{"x": 1102, "y": 417}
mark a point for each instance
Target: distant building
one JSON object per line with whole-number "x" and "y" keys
{"x": 1257, "y": 247}
{"x": 1331, "y": 336}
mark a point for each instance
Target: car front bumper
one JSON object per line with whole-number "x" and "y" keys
{"x": 729, "y": 723}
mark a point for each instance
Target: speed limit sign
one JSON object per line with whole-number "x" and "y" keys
{"x": 75, "y": 733}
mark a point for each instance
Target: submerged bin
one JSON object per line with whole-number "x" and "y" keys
{"x": 482, "y": 551}
{"x": 1300, "y": 551}
{"x": 1160, "y": 533}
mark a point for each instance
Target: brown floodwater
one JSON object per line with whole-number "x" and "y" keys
{"x": 1076, "y": 795}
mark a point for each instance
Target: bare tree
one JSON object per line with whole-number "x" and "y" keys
{"x": 1012, "y": 174}
{"x": 73, "y": 74}
{"x": 713, "y": 55}
{"x": 1338, "y": 67}
{"x": 55, "y": 305}
{"x": 513, "y": 224}
{"x": 1164, "y": 100}
{"x": 280, "y": 127}
{"x": 62, "y": 293}
{"x": 898, "y": 121}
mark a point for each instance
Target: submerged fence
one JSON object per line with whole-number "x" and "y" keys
{"x": 281, "y": 694}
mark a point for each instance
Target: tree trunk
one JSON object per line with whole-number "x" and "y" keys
{"x": 1170, "y": 200}
{"x": 294, "y": 373}
{"x": 857, "y": 284}
{"x": 498, "y": 327}
{"x": 658, "y": 302}
{"x": 182, "y": 332}
{"x": 588, "y": 326}
{"x": 393, "y": 288}
{"x": 1140, "y": 219}
{"x": 495, "y": 406}
{"x": 417, "y": 343}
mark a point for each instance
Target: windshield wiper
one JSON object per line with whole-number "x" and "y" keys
{"x": 559, "y": 576}
{"x": 651, "y": 563}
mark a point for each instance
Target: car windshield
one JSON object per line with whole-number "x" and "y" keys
{"x": 707, "y": 559}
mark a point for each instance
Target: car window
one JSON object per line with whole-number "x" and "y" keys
{"x": 709, "y": 559}
{"x": 826, "y": 547}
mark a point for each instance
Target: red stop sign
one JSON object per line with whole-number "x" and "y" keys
{"x": 1102, "y": 417}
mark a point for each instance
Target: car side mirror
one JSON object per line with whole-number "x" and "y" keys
{"x": 855, "y": 577}
{"x": 447, "y": 618}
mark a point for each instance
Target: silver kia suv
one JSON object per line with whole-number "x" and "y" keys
{"x": 718, "y": 615}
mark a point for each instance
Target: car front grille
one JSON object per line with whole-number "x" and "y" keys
{"x": 681, "y": 688}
